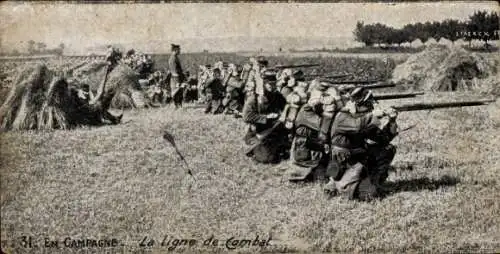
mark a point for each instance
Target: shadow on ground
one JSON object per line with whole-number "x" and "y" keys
{"x": 419, "y": 184}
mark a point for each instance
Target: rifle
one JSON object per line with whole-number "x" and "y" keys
{"x": 326, "y": 76}
{"x": 336, "y": 82}
{"x": 337, "y": 76}
{"x": 390, "y": 96}
{"x": 263, "y": 135}
{"x": 283, "y": 66}
{"x": 371, "y": 86}
{"x": 436, "y": 105}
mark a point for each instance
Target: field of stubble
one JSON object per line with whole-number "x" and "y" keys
{"x": 126, "y": 182}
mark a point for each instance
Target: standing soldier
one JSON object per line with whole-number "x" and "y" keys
{"x": 177, "y": 75}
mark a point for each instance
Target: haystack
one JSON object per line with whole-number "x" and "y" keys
{"x": 39, "y": 99}
{"x": 122, "y": 77}
{"x": 446, "y": 68}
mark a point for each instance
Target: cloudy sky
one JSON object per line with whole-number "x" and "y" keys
{"x": 85, "y": 25}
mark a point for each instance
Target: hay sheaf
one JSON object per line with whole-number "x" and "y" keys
{"x": 447, "y": 68}
{"x": 40, "y": 99}
{"x": 20, "y": 109}
{"x": 123, "y": 80}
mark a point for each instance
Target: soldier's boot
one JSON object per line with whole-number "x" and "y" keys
{"x": 237, "y": 114}
{"x": 208, "y": 108}
{"x": 367, "y": 190}
{"x": 330, "y": 189}
{"x": 114, "y": 119}
{"x": 380, "y": 178}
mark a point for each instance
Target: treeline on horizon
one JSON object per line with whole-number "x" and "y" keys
{"x": 38, "y": 48}
{"x": 482, "y": 26}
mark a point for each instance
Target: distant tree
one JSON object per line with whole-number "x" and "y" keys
{"x": 452, "y": 30}
{"x": 410, "y": 33}
{"x": 41, "y": 47}
{"x": 422, "y": 31}
{"x": 380, "y": 33}
{"x": 400, "y": 36}
{"x": 467, "y": 28}
{"x": 388, "y": 35}
{"x": 436, "y": 31}
{"x": 364, "y": 34}
{"x": 484, "y": 26}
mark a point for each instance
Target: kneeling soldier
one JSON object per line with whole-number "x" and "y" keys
{"x": 357, "y": 167}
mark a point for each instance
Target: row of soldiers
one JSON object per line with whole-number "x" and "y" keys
{"x": 334, "y": 133}
{"x": 338, "y": 134}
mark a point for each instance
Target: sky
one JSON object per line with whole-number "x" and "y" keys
{"x": 80, "y": 26}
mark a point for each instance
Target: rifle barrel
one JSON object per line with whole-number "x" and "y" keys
{"x": 379, "y": 85}
{"x": 283, "y": 66}
{"x": 369, "y": 86}
{"x": 337, "y": 76}
{"x": 390, "y": 96}
{"x": 351, "y": 81}
{"x": 454, "y": 104}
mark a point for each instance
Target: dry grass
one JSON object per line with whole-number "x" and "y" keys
{"x": 125, "y": 182}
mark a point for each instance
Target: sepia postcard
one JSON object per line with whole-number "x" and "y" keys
{"x": 249, "y": 127}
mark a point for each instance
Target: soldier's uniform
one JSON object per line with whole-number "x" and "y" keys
{"x": 313, "y": 121}
{"x": 177, "y": 76}
{"x": 283, "y": 77}
{"x": 191, "y": 89}
{"x": 204, "y": 76}
{"x": 357, "y": 168}
{"x": 261, "y": 112}
{"x": 294, "y": 80}
{"x": 245, "y": 73}
{"x": 234, "y": 98}
{"x": 256, "y": 74}
{"x": 113, "y": 56}
{"x": 156, "y": 87}
{"x": 214, "y": 93}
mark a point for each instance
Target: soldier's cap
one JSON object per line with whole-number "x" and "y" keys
{"x": 298, "y": 74}
{"x": 85, "y": 86}
{"x": 322, "y": 86}
{"x": 358, "y": 93}
{"x": 130, "y": 52}
{"x": 175, "y": 46}
{"x": 225, "y": 65}
{"x": 262, "y": 61}
{"x": 208, "y": 66}
{"x": 269, "y": 76}
{"x": 362, "y": 95}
